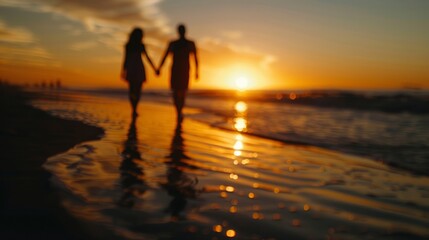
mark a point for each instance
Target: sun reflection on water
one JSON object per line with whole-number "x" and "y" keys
{"x": 233, "y": 176}
{"x": 240, "y": 121}
{"x": 237, "y": 154}
{"x": 240, "y": 107}
{"x": 240, "y": 124}
{"x": 229, "y": 189}
{"x": 238, "y": 145}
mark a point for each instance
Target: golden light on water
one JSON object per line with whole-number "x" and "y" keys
{"x": 245, "y": 161}
{"x": 217, "y": 228}
{"x": 229, "y": 189}
{"x": 233, "y": 176}
{"x": 251, "y": 195}
{"x": 257, "y": 216}
{"x": 237, "y": 153}
{"x": 307, "y": 207}
{"x": 230, "y": 233}
{"x": 240, "y": 107}
{"x": 240, "y": 124}
{"x": 238, "y": 145}
{"x": 240, "y": 121}
{"x": 233, "y": 209}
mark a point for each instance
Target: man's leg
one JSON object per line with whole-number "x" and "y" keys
{"x": 179, "y": 101}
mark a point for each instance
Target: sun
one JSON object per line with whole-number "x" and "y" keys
{"x": 241, "y": 83}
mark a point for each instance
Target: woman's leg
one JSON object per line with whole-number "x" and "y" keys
{"x": 134, "y": 95}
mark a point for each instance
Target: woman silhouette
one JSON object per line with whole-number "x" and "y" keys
{"x": 133, "y": 69}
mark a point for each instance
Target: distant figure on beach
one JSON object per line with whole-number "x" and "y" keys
{"x": 133, "y": 69}
{"x": 179, "y": 81}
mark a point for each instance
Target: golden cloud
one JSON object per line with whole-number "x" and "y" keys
{"x": 15, "y": 35}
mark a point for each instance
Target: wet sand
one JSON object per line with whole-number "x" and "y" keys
{"x": 29, "y": 206}
{"x": 151, "y": 178}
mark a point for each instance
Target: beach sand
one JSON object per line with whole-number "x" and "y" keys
{"x": 29, "y": 206}
{"x": 151, "y": 178}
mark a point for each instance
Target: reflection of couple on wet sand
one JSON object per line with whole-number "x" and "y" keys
{"x": 134, "y": 73}
{"x": 178, "y": 185}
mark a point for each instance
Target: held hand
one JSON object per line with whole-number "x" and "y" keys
{"x": 124, "y": 74}
{"x": 157, "y": 72}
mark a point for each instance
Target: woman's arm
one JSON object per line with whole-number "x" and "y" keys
{"x": 150, "y": 61}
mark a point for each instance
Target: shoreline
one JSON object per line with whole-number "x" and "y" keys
{"x": 30, "y": 206}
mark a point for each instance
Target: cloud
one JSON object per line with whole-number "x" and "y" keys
{"x": 15, "y": 35}
{"x": 30, "y": 51}
{"x": 26, "y": 55}
{"x": 80, "y": 46}
{"x": 217, "y": 52}
{"x": 19, "y": 46}
{"x": 72, "y": 30}
{"x": 268, "y": 60}
{"x": 112, "y": 18}
{"x": 19, "y": 3}
{"x": 108, "y": 60}
{"x": 234, "y": 35}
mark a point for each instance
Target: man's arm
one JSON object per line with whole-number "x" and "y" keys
{"x": 196, "y": 60}
{"x": 167, "y": 51}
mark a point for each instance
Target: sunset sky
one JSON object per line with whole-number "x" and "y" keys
{"x": 274, "y": 44}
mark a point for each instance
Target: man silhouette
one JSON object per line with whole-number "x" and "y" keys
{"x": 181, "y": 49}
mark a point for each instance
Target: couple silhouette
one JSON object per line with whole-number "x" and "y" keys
{"x": 133, "y": 70}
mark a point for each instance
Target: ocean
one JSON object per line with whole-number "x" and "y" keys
{"x": 387, "y": 126}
